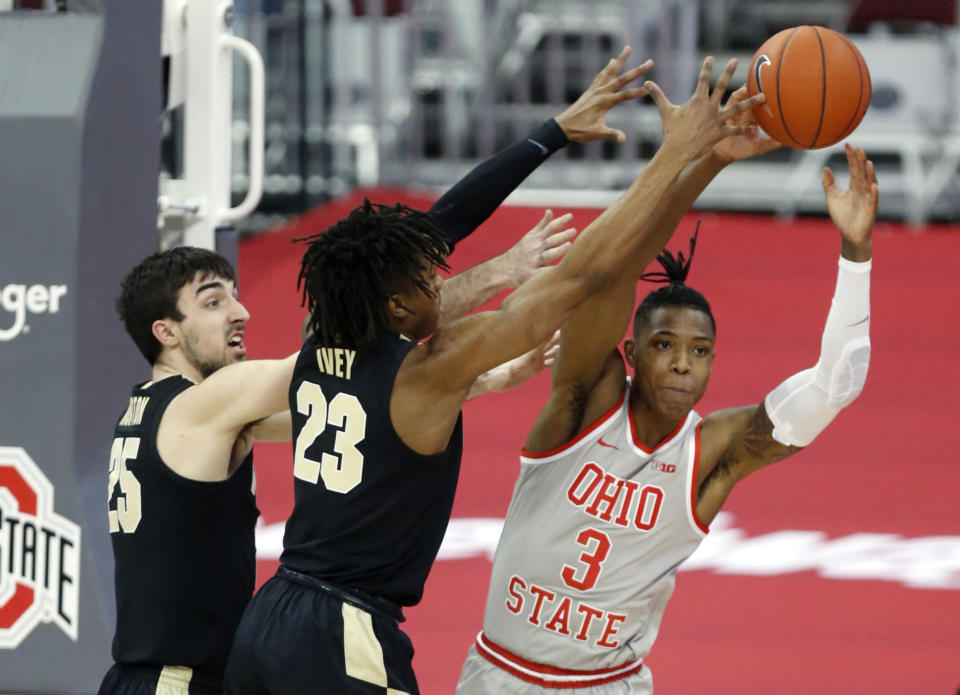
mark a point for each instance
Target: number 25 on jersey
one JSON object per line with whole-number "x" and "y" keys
{"x": 125, "y": 516}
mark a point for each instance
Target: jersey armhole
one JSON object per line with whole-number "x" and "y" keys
{"x": 598, "y": 424}
{"x": 164, "y": 468}
{"x": 698, "y": 526}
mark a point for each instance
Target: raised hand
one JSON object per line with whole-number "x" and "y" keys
{"x": 736, "y": 147}
{"x": 511, "y": 374}
{"x": 539, "y": 247}
{"x": 586, "y": 119}
{"x": 854, "y": 210}
{"x": 704, "y": 120}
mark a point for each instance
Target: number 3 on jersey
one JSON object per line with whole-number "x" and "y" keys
{"x": 592, "y": 560}
{"x": 341, "y": 472}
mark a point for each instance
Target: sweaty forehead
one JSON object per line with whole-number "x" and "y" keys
{"x": 679, "y": 320}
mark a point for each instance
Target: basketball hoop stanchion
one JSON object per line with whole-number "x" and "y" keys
{"x": 199, "y": 43}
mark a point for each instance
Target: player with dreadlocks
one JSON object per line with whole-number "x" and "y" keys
{"x": 620, "y": 478}
{"x": 377, "y": 423}
{"x": 342, "y": 280}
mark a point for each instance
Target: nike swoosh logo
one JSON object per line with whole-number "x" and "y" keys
{"x": 863, "y": 320}
{"x": 540, "y": 147}
{"x": 603, "y": 443}
{"x": 758, "y": 66}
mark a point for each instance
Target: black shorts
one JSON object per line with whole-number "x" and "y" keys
{"x": 297, "y": 637}
{"x": 125, "y": 679}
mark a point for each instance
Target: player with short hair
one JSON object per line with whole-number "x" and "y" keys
{"x": 180, "y": 492}
{"x": 377, "y": 414}
{"x": 620, "y": 478}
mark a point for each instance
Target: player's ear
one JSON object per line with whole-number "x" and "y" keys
{"x": 630, "y": 352}
{"x": 397, "y": 308}
{"x": 166, "y": 333}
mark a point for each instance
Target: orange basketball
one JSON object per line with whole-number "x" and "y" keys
{"x": 817, "y": 86}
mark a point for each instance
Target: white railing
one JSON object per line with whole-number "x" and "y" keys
{"x": 198, "y": 40}
{"x": 415, "y": 92}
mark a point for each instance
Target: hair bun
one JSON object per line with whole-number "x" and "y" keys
{"x": 675, "y": 268}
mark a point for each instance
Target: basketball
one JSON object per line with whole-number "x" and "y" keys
{"x": 817, "y": 86}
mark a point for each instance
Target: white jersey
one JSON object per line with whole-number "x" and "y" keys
{"x": 588, "y": 556}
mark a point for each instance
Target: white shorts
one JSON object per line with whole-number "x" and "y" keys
{"x": 480, "y": 677}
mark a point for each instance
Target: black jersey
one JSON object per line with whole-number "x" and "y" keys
{"x": 369, "y": 513}
{"x": 184, "y": 550}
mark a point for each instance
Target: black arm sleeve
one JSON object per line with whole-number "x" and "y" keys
{"x": 475, "y": 197}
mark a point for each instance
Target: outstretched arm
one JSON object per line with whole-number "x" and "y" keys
{"x": 738, "y": 441}
{"x": 275, "y": 428}
{"x": 236, "y": 395}
{"x": 205, "y": 428}
{"x": 539, "y": 247}
{"x": 436, "y": 378}
{"x": 478, "y": 194}
{"x": 588, "y": 376}
{"x": 510, "y": 375}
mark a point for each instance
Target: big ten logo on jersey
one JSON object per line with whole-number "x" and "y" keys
{"x": 663, "y": 466}
{"x": 39, "y": 553}
{"x": 19, "y": 300}
{"x": 614, "y": 500}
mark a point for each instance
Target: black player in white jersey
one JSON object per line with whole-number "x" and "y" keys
{"x": 182, "y": 449}
{"x": 621, "y": 478}
{"x": 377, "y": 423}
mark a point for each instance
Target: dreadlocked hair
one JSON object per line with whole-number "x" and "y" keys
{"x": 349, "y": 271}
{"x": 676, "y": 292}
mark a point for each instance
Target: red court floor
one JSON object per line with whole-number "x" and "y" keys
{"x": 834, "y": 572}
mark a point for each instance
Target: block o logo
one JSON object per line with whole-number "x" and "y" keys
{"x": 39, "y": 553}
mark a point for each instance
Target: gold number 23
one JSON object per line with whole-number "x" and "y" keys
{"x": 342, "y": 470}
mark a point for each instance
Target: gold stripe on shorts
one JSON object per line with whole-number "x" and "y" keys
{"x": 174, "y": 680}
{"x": 361, "y": 649}
{"x": 362, "y": 652}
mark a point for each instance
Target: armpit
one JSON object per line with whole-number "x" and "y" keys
{"x": 576, "y": 408}
{"x": 750, "y": 449}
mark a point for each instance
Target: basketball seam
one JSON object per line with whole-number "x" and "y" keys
{"x": 783, "y": 121}
{"x": 853, "y": 51}
{"x": 823, "y": 89}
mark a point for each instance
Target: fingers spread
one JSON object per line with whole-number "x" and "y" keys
{"x": 659, "y": 98}
{"x": 557, "y": 238}
{"x": 737, "y": 96}
{"x": 733, "y": 108}
{"x": 721, "y": 87}
{"x": 545, "y": 220}
{"x": 703, "y": 82}
{"x": 632, "y": 74}
{"x": 632, "y": 93}
{"x": 616, "y": 64}
{"x": 550, "y": 255}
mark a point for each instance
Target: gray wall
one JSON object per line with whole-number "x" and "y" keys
{"x": 79, "y": 156}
